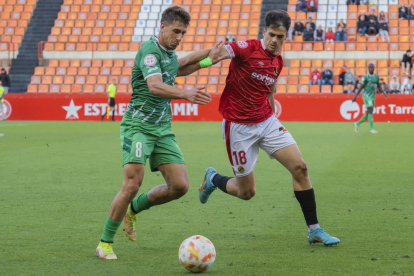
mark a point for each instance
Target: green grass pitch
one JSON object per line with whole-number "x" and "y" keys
{"x": 57, "y": 181}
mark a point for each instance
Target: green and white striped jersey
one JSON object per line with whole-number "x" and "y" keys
{"x": 151, "y": 59}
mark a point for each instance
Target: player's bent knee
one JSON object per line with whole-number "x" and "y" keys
{"x": 247, "y": 195}
{"x": 179, "y": 190}
{"x": 301, "y": 170}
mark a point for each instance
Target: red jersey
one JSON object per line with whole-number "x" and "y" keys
{"x": 252, "y": 71}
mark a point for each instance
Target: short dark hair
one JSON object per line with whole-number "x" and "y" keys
{"x": 277, "y": 18}
{"x": 176, "y": 13}
{"x": 2, "y": 69}
{"x": 408, "y": 51}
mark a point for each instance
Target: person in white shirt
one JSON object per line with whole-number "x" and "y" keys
{"x": 407, "y": 86}
{"x": 394, "y": 86}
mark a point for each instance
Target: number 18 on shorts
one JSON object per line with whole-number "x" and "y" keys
{"x": 243, "y": 142}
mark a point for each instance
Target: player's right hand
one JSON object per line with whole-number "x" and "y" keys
{"x": 198, "y": 96}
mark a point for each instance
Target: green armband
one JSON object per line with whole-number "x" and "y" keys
{"x": 206, "y": 62}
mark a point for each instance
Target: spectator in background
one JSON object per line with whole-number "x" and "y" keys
{"x": 352, "y": 2}
{"x": 313, "y": 26}
{"x": 298, "y": 29}
{"x": 412, "y": 11}
{"x": 406, "y": 62}
{"x": 5, "y": 80}
{"x": 2, "y": 93}
{"x": 327, "y": 76}
{"x": 394, "y": 86}
{"x": 407, "y": 86}
{"x": 373, "y": 16}
{"x": 362, "y": 25}
{"x": 342, "y": 72}
{"x": 382, "y": 17}
{"x": 403, "y": 11}
{"x": 349, "y": 80}
{"x": 312, "y": 5}
{"x": 230, "y": 37}
{"x": 315, "y": 77}
{"x": 372, "y": 28}
{"x": 383, "y": 29}
{"x": 383, "y": 86}
{"x": 299, "y": 7}
{"x": 308, "y": 33}
{"x": 341, "y": 24}
{"x": 329, "y": 35}
{"x": 319, "y": 34}
{"x": 290, "y": 33}
{"x": 340, "y": 34}
{"x": 305, "y": 5}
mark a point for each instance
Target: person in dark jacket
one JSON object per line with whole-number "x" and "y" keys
{"x": 373, "y": 16}
{"x": 383, "y": 30}
{"x": 299, "y": 7}
{"x": 352, "y": 2}
{"x": 362, "y": 25}
{"x": 327, "y": 76}
{"x": 308, "y": 33}
{"x": 403, "y": 11}
{"x": 319, "y": 34}
{"x": 407, "y": 62}
{"x": 372, "y": 27}
{"x": 5, "y": 80}
{"x": 298, "y": 29}
{"x": 313, "y": 26}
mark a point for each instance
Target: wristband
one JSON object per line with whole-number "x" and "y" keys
{"x": 206, "y": 62}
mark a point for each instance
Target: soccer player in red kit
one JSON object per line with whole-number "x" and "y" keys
{"x": 248, "y": 108}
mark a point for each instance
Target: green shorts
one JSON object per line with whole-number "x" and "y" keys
{"x": 153, "y": 141}
{"x": 369, "y": 101}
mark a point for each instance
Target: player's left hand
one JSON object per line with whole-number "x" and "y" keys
{"x": 216, "y": 54}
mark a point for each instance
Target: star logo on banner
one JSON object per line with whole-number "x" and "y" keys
{"x": 72, "y": 110}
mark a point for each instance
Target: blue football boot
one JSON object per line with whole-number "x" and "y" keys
{"x": 320, "y": 235}
{"x": 207, "y": 187}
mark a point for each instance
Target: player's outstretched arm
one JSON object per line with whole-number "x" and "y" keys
{"x": 359, "y": 91}
{"x": 194, "y": 61}
{"x": 157, "y": 88}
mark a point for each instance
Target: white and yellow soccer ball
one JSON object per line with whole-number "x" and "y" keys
{"x": 197, "y": 254}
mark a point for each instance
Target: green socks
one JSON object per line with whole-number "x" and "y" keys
{"x": 140, "y": 203}
{"x": 371, "y": 121}
{"x": 110, "y": 229}
{"x": 363, "y": 119}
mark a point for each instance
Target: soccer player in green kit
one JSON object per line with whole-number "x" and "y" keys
{"x": 146, "y": 126}
{"x": 369, "y": 82}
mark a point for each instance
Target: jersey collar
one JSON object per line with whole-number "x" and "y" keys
{"x": 157, "y": 42}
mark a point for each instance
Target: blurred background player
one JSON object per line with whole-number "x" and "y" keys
{"x": 146, "y": 126}
{"x": 368, "y": 84}
{"x": 2, "y": 93}
{"x": 248, "y": 108}
{"x": 111, "y": 100}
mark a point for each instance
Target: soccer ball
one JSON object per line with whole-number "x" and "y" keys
{"x": 197, "y": 254}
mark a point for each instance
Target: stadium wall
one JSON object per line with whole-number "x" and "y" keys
{"x": 306, "y": 108}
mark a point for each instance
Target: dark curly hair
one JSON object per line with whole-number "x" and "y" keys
{"x": 277, "y": 18}
{"x": 176, "y": 13}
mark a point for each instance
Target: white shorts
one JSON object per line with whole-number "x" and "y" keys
{"x": 243, "y": 142}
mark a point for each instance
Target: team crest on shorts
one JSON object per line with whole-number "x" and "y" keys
{"x": 242, "y": 44}
{"x": 241, "y": 169}
{"x": 282, "y": 128}
{"x": 150, "y": 60}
